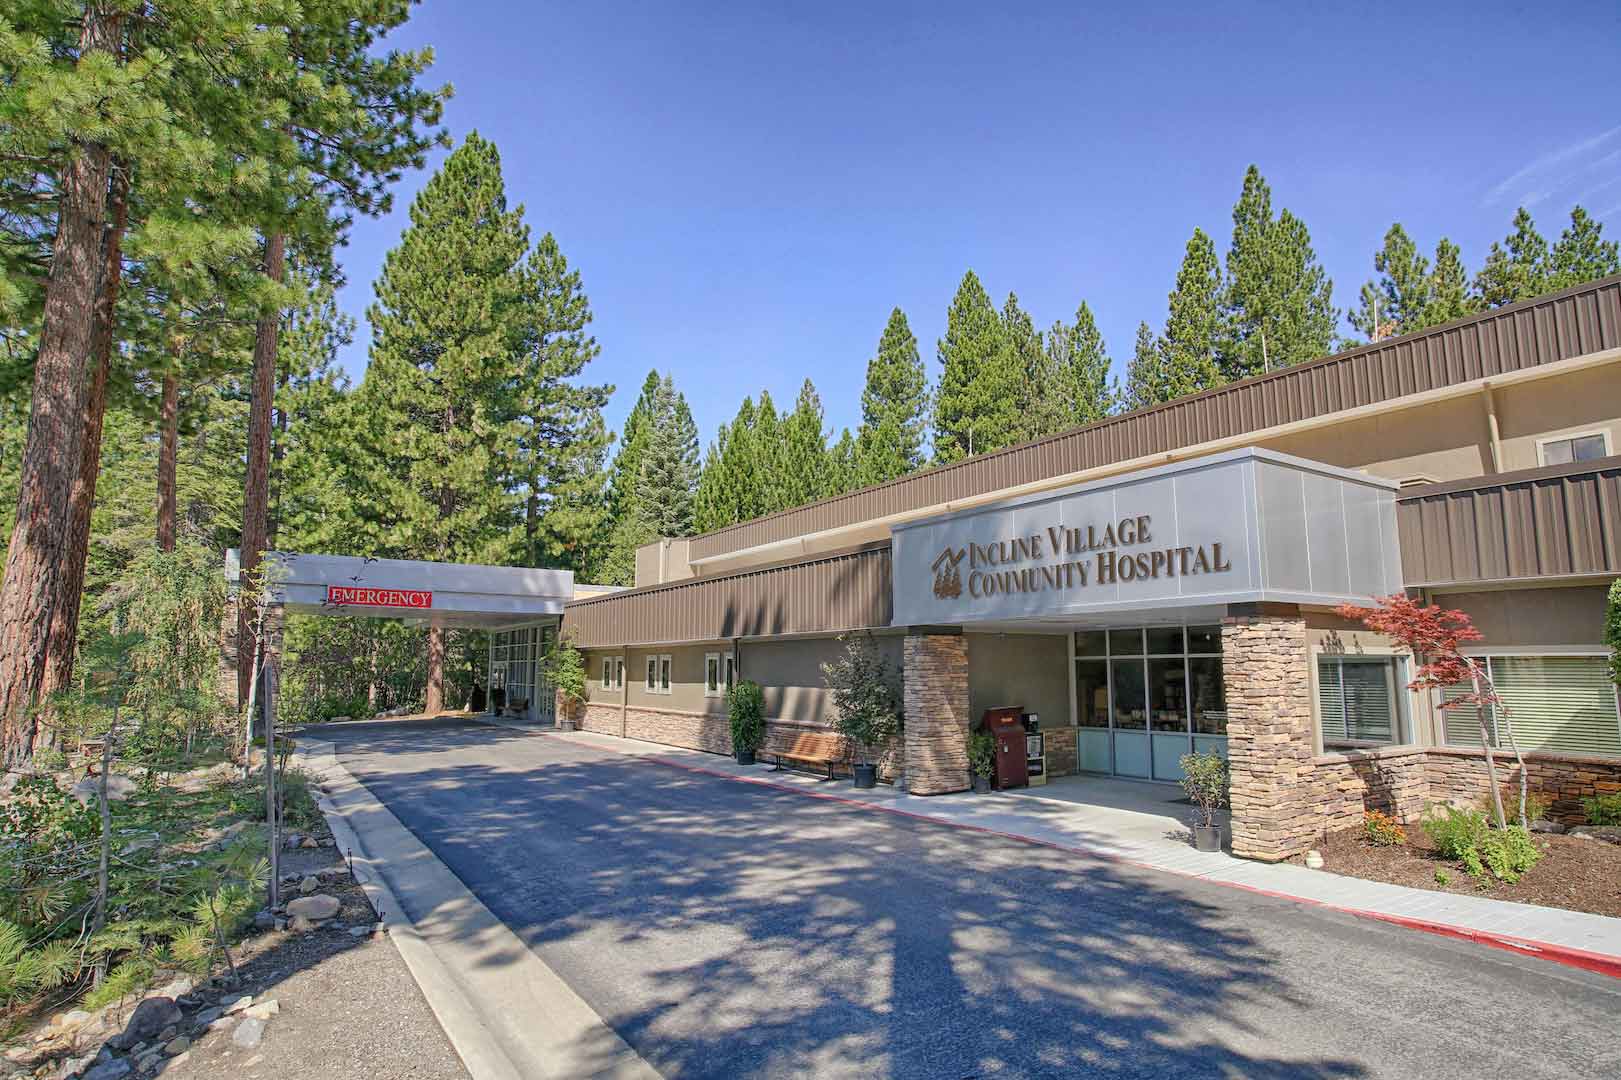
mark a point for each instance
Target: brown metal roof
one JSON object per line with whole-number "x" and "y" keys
{"x": 1556, "y": 327}
{"x": 849, "y": 591}
{"x": 1560, "y": 520}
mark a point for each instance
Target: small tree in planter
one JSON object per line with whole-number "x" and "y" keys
{"x": 564, "y": 667}
{"x": 1205, "y": 779}
{"x": 1435, "y": 636}
{"x": 866, "y": 706}
{"x": 982, "y": 759}
{"x": 745, "y": 707}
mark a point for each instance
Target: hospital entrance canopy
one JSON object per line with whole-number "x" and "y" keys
{"x": 428, "y": 593}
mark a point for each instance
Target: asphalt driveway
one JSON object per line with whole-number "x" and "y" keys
{"x": 727, "y": 929}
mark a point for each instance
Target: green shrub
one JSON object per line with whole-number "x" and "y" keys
{"x": 982, "y": 754}
{"x": 49, "y": 759}
{"x": 1205, "y": 779}
{"x": 745, "y": 706}
{"x": 866, "y": 704}
{"x": 1443, "y": 878}
{"x": 564, "y": 667}
{"x": 1465, "y": 836}
{"x": 1603, "y": 809}
{"x": 1382, "y": 830}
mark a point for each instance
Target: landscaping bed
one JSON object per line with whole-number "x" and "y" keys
{"x": 1575, "y": 873}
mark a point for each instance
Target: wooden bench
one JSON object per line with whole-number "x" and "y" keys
{"x": 821, "y": 748}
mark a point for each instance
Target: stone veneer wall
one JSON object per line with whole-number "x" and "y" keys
{"x": 1062, "y": 751}
{"x": 1269, "y": 734}
{"x": 1458, "y": 775}
{"x": 707, "y": 732}
{"x": 1346, "y": 785}
{"x": 935, "y": 677}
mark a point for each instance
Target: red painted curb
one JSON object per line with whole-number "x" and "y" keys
{"x": 1600, "y": 963}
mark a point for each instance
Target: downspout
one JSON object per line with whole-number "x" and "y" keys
{"x": 1492, "y": 432}
{"x": 624, "y": 690}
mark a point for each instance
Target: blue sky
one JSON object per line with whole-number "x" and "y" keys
{"x": 749, "y": 188}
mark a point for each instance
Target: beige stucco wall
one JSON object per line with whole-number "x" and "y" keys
{"x": 1579, "y": 403}
{"x": 790, "y": 673}
{"x": 1534, "y": 617}
{"x": 1444, "y": 440}
{"x": 1029, "y": 670}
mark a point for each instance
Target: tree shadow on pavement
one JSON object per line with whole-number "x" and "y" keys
{"x": 732, "y": 929}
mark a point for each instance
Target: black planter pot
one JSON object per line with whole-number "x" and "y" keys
{"x": 745, "y": 757}
{"x": 982, "y": 784}
{"x": 1207, "y": 837}
{"x": 865, "y": 776}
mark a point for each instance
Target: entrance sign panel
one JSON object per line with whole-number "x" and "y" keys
{"x": 1245, "y": 526}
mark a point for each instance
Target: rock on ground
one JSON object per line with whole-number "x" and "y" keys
{"x": 317, "y": 907}
{"x": 150, "y": 1017}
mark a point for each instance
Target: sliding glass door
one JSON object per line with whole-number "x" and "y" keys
{"x": 1145, "y": 696}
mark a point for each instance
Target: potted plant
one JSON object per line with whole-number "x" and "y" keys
{"x": 1204, "y": 779}
{"x": 866, "y": 705}
{"x": 745, "y": 706}
{"x": 981, "y": 759}
{"x": 564, "y": 667}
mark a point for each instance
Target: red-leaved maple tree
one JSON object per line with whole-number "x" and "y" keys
{"x": 1435, "y": 636}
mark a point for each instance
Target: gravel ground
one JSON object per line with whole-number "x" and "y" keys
{"x": 348, "y": 1006}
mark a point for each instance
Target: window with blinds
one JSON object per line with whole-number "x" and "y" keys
{"x": 1559, "y": 703}
{"x": 1357, "y": 699}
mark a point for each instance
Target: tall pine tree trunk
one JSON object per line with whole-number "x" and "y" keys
{"x": 168, "y": 447}
{"x": 278, "y": 450}
{"x": 63, "y": 646}
{"x": 436, "y": 670}
{"x": 37, "y": 552}
{"x": 256, "y": 492}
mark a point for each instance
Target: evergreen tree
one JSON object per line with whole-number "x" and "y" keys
{"x": 730, "y": 488}
{"x": 1517, "y": 267}
{"x": 1189, "y": 347}
{"x": 668, "y": 474}
{"x": 1399, "y": 300}
{"x": 562, "y": 437}
{"x": 894, "y": 407}
{"x": 804, "y": 471}
{"x": 1449, "y": 290}
{"x": 1279, "y": 301}
{"x": 765, "y": 450}
{"x": 1080, "y": 359}
{"x": 1145, "y": 376}
{"x": 980, "y": 396}
{"x": 844, "y": 466}
{"x": 452, "y": 329}
{"x": 615, "y": 564}
{"x": 1042, "y": 407}
{"x": 1581, "y": 254}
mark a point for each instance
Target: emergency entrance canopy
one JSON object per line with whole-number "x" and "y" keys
{"x": 431, "y": 593}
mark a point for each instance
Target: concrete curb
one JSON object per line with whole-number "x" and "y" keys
{"x": 511, "y": 1020}
{"x": 1569, "y": 956}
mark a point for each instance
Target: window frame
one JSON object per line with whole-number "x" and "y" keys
{"x": 1403, "y": 726}
{"x": 619, "y": 673}
{"x": 714, "y": 685}
{"x": 1602, "y": 434}
{"x": 1596, "y": 652}
{"x": 666, "y": 673}
{"x": 652, "y": 673}
{"x": 607, "y": 673}
{"x": 729, "y": 667}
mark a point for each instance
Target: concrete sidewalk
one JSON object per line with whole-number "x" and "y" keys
{"x": 1147, "y": 829}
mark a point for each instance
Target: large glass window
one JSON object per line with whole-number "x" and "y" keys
{"x": 1208, "y": 695}
{"x": 1168, "y": 694}
{"x": 1565, "y": 704}
{"x": 1130, "y": 695}
{"x": 1359, "y": 699}
{"x": 1092, "y": 693}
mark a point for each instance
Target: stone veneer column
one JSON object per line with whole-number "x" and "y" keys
{"x": 935, "y": 676}
{"x": 1264, "y": 659}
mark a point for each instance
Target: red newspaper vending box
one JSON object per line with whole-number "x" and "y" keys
{"x": 1006, "y": 726}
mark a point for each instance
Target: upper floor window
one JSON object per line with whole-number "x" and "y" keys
{"x": 1589, "y": 447}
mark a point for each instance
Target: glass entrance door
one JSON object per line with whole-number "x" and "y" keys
{"x": 1146, "y": 696}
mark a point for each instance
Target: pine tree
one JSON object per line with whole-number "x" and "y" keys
{"x": 1581, "y": 254}
{"x": 563, "y": 438}
{"x": 765, "y": 460}
{"x": 1189, "y": 347}
{"x": 668, "y": 475}
{"x": 1449, "y": 289}
{"x": 1145, "y": 376}
{"x": 1080, "y": 359}
{"x": 1404, "y": 289}
{"x": 844, "y": 467}
{"x": 894, "y": 407}
{"x": 1517, "y": 267}
{"x": 730, "y": 488}
{"x": 1042, "y": 407}
{"x": 804, "y": 471}
{"x": 1279, "y": 301}
{"x": 977, "y": 405}
{"x": 451, "y": 330}
{"x": 615, "y": 564}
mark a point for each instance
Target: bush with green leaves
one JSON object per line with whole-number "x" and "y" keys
{"x": 866, "y": 699}
{"x": 1603, "y": 809}
{"x": 982, "y": 753}
{"x": 745, "y": 707}
{"x": 1465, "y": 836}
{"x": 1205, "y": 780}
{"x": 564, "y": 668}
{"x": 1382, "y": 830}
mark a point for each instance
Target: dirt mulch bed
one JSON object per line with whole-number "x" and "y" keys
{"x": 1580, "y": 875}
